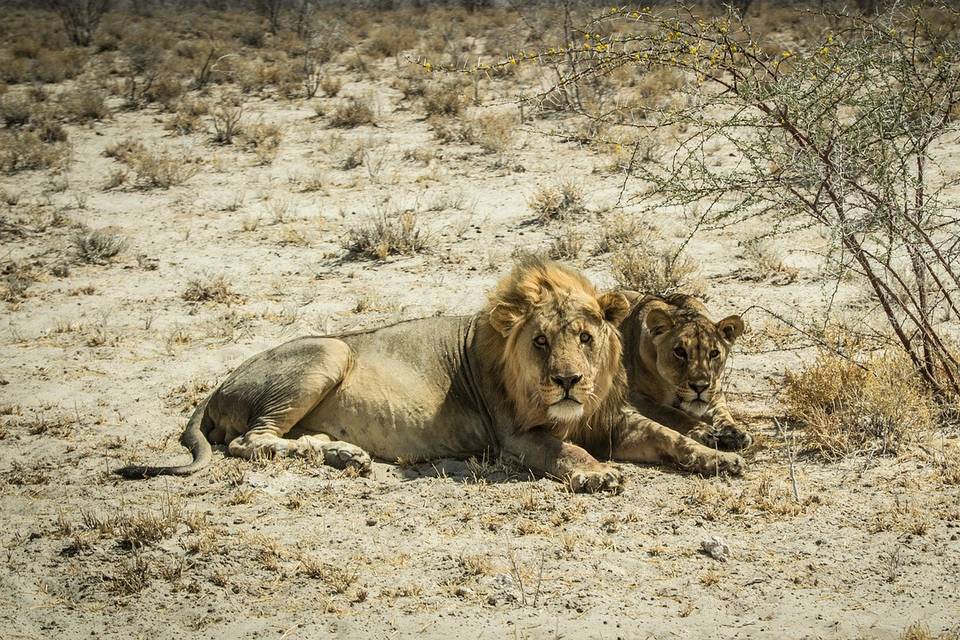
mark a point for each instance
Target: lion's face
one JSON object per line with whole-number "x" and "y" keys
{"x": 562, "y": 349}
{"x": 691, "y": 353}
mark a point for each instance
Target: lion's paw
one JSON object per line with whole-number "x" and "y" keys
{"x": 343, "y": 455}
{"x": 603, "y": 477}
{"x": 718, "y": 463}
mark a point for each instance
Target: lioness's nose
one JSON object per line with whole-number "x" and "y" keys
{"x": 699, "y": 387}
{"x": 567, "y": 382}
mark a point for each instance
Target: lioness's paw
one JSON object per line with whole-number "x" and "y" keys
{"x": 603, "y": 477}
{"x": 343, "y": 455}
{"x": 728, "y": 438}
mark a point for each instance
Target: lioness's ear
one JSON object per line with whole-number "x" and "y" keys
{"x": 658, "y": 321}
{"x": 614, "y": 306}
{"x": 731, "y": 327}
{"x": 504, "y": 317}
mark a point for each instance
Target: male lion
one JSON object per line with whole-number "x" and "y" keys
{"x": 537, "y": 375}
{"x": 675, "y": 358}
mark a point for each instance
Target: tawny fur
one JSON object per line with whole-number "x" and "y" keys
{"x": 537, "y": 375}
{"x": 659, "y": 380}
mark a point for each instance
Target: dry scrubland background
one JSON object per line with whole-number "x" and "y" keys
{"x": 196, "y": 184}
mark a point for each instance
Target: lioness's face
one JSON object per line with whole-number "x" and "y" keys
{"x": 692, "y": 354}
{"x": 562, "y": 352}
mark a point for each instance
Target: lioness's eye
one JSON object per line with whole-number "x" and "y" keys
{"x": 586, "y": 338}
{"x": 680, "y": 353}
{"x": 714, "y": 354}
{"x": 540, "y": 341}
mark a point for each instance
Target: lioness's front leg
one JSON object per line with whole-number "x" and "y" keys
{"x": 643, "y": 440}
{"x": 727, "y": 432}
{"x": 546, "y": 454}
{"x": 716, "y": 429}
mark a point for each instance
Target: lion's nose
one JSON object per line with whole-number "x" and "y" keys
{"x": 699, "y": 387}
{"x": 567, "y": 382}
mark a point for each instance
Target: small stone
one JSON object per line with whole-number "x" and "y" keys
{"x": 716, "y": 548}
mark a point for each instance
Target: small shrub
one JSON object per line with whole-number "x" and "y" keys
{"x": 385, "y": 235}
{"x": 553, "y": 202}
{"x": 26, "y": 150}
{"x": 85, "y": 104}
{"x": 165, "y": 89}
{"x": 875, "y": 405}
{"x": 493, "y": 132}
{"x": 352, "y": 112}
{"x": 264, "y": 139}
{"x": 766, "y": 262}
{"x": 444, "y": 98}
{"x": 98, "y": 247}
{"x": 226, "y": 122}
{"x": 15, "y": 109}
{"x": 621, "y": 230}
{"x": 349, "y": 155}
{"x": 331, "y": 85}
{"x": 124, "y": 149}
{"x": 187, "y": 116}
{"x": 216, "y": 289}
{"x": 45, "y": 121}
{"x": 161, "y": 168}
{"x": 567, "y": 246}
{"x": 644, "y": 268}
{"x": 389, "y": 40}
{"x": 56, "y": 66}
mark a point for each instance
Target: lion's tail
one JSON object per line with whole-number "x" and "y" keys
{"x": 194, "y": 438}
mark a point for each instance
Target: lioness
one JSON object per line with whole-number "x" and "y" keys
{"x": 536, "y": 375}
{"x": 675, "y": 358}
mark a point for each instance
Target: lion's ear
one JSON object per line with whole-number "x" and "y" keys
{"x": 504, "y": 317}
{"x": 731, "y": 327}
{"x": 632, "y": 296}
{"x": 614, "y": 306}
{"x": 658, "y": 321}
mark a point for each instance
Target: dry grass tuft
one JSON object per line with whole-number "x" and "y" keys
{"x": 352, "y": 112}
{"x": 643, "y": 267}
{"x": 559, "y": 201}
{"x": 161, "y": 168}
{"x": 388, "y": 233}
{"x": 98, "y": 247}
{"x": 878, "y": 405}
{"x": 84, "y": 104}
{"x": 15, "y": 109}
{"x": 264, "y": 140}
{"x": 337, "y": 578}
{"x": 444, "y": 99}
{"x": 226, "y": 119}
{"x": 566, "y": 247}
{"x": 919, "y": 631}
{"x": 216, "y": 289}
{"x": 26, "y": 150}
{"x": 767, "y": 263}
{"x": 493, "y": 132}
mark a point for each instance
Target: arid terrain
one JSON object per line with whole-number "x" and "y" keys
{"x": 188, "y": 189}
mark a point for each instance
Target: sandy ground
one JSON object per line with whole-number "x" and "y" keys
{"x": 100, "y": 367}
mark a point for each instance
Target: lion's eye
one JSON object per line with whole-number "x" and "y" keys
{"x": 715, "y": 353}
{"x": 680, "y": 353}
{"x": 540, "y": 341}
{"x": 586, "y": 338}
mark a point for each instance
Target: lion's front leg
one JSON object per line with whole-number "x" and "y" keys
{"x": 643, "y": 440}
{"x": 545, "y": 454}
